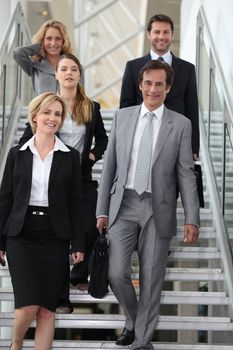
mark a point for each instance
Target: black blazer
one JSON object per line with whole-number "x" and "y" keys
{"x": 64, "y": 193}
{"x": 94, "y": 129}
{"x": 182, "y": 97}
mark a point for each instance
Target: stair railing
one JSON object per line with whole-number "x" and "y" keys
{"x": 11, "y": 97}
{"x": 11, "y": 80}
{"x": 216, "y": 128}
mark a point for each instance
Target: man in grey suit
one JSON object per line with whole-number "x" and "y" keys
{"x": 137, "y": 199}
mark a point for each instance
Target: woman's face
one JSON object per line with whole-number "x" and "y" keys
{"x": 68, "y": 73}
{"x": 53, "y": 42}
{"x": 48, "y": 119}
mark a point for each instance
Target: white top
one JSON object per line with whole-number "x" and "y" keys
{"x": 167, "y": 56}
{"x": 73, "y": 134}
{"x": 41, "y": 171}
{"x": 137, "y": 138}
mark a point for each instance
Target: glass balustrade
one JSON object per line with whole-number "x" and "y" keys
{"x": 217, "y": 120}
{"x": 15, "y": 87}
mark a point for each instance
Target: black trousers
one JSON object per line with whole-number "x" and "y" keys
{"x": 79, "y": 273}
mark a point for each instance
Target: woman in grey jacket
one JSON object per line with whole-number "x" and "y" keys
{"x": 39, "y": 60}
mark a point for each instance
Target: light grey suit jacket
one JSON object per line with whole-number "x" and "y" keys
{"x": 172, "y": 163}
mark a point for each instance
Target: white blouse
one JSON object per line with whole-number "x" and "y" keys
{"x": 41, "y": 171}
{"x": 73, "y": 134}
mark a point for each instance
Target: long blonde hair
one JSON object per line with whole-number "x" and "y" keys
{"x": 39, "y": 36}
{"x": 40, "y": 103}
{"x": 83, "y": 105}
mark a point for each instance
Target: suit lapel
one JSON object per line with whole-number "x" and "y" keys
{"x": 57, "y": 160}
{"x": 86, "y": 150}
{"x": 27, "y": 158}
{"x": 130, "y": 128}
{"x": 165, "y": 129}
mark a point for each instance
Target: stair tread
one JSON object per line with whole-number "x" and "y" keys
{"x": 167, "y": 297}
{"x": 110, "y": 345}
{"x": 113, "y": 321}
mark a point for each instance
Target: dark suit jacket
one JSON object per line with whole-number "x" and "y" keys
{"x": 94, "y": 129}
{"x": 64, "y": 193}
{"x": 182, "y": 97}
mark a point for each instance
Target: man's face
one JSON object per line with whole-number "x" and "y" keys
{"x": 154, "y": 88}
{"x": 160, "y": 37}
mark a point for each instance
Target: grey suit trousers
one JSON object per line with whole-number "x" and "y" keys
{"x": 134, "y": 229}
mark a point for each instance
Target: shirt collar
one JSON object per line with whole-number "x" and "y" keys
{"x": 167, "y": 56}
{"x": 158, "y": 112}
{"x": 58, "y": 146}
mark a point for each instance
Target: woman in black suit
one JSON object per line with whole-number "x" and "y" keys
{"x": 82, "y": 125}
{"x": 40, "y": 215}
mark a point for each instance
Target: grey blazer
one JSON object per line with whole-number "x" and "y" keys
{"x": 41, "y": 73}
{"x": 172, "y": 162}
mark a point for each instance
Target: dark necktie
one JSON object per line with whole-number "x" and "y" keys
{"x": 160, "y": 59}
{"x": 143, "y": 166}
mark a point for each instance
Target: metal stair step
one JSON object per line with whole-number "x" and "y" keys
{"x": 192, "y": 253}
{"x": 173, "y": 274}
{"x": 98, "y": 345}
{"x": 109, "y": 321}
{"x": 167, "y": 297}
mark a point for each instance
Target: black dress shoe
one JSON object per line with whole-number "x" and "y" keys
{"x": 126, "y": 338}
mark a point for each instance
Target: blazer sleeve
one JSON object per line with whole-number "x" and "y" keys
{"x": 108, "y": 173}
{"x": 186, "y": 178}
{"x": 101, "y": 138}
{"x": 191, "y": 109}
{"x": 6, "y": 196}
{"x": 23, "y": 56}
{"x": 27, "y": 134}
{"x": 128, "y": 95}
{"x": 76, "y": 205}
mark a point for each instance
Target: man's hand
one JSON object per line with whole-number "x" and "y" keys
{"x": 191, "y": 233}
{"x": 102, "y": 222}
{"x": 195, "y": 156}
{"x": 77, "y": 257}
{"x": 2, "y": 258}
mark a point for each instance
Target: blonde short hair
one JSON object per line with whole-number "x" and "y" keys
{"x": 40, "y": 103}
{"x": 39, "y": 36}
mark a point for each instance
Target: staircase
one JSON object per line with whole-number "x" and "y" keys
{"x": 194, "y": 303}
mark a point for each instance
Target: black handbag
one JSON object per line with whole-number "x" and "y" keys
{"x": 98, "y": 286}
{"x": 198, "y": 174}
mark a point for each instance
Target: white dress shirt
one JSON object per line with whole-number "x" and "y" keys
{"x": 167, "y": 56}
{"x": 137, "y": 138}
{"x": 41, "y": 171}
{"x": 73, "y": 134}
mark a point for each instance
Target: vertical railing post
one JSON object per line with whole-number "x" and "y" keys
{"x": 209, "y": 107}
{"x": 224, "y": 168}
{"x": 4, "y": 103}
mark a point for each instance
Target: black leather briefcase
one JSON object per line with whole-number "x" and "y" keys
{"x": 198, "y": 174}
{"x": 98, "y": 286}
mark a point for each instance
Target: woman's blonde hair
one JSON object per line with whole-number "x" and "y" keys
{"x": 83, "y": 105}
{"x": 40, "y": 103}
{"x": 39, "y": 36}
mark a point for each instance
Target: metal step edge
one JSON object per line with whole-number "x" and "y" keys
{"x": 167, "y": 297}
{"x": 175, "y": 274}
{"x": 194, "y": 255}
{"x": 98, "y": 345}
{"x": 94, "y": 321}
